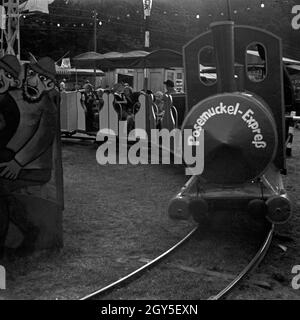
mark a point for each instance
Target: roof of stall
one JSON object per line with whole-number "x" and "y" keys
{"x": 138, "y": 59}
{"x": 109, "y": 60}
{"x": 293, "y": 69}
{"x": 71, "y": 71}
{"x": 89, "y": 57}
{"x": 163, "y": 58}
{"x": 252, "y": 54}
{"x": 120, "y": 55}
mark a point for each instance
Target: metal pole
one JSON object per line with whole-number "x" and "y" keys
{"x": 95, "y": 30}
{"x": 147, "y": 45}
{"x": 2, "y": 33}
{"x": 76, "y": 79}
{"x": 18, "y": 32}
{"x": 147, "y": 33}
{"x": 229, "y": 10}
{"x": 95, "y": 45}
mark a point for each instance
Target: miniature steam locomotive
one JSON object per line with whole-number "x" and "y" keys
{"x": 243, "y": 118}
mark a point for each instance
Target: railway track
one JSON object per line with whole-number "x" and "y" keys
{"x": 259, "y": 256}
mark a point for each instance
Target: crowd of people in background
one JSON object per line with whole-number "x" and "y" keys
{"x": 126, "y": 102}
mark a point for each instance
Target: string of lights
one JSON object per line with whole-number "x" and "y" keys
{"x": 89, "y": 28}
{"x": 75, "y": 19}
{"x": 106, "y": 18}
{"x": 155, "y": 9}
{"x": 170, "y": 12}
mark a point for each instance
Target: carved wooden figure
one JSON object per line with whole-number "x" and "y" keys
{"x": 31, "y": 185}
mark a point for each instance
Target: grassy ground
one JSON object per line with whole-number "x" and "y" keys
{"x": 115, "y": 219}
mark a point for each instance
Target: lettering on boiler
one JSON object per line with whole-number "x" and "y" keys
{"x": 232, "y": 110}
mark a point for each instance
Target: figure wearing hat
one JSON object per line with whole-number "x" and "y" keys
{"x": 31, "y": 143}
{"x": 169, "y": 87}
{"x": 10, "y": 70}
{"x": 32, "y": 140}
{"x": 89, "y": 103}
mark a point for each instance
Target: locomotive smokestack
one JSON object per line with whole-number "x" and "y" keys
{"x": 223, "y": 40}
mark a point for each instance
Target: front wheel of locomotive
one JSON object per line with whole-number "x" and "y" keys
{"x": 279, "y": 209}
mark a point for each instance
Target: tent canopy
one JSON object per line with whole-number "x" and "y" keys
{"x": 163, "y": 58}
{"x": 109, "y": 60}
{"x": 293, "y": 68}
{"x": 138, "y": 59}
{"x": 120, "y": 55}
{"x": 79, "y": 72}
{"x": 90, "y": 56}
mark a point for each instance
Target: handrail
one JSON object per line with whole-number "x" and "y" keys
{"x": 120, "y": 107}
{"x": 175, "y": 121}
{"x": 154, "y": 113}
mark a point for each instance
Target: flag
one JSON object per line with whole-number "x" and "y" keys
{"x": 35, "y": 5}
{"x": 2, "y": 18}
{"x": 147, "y": 8}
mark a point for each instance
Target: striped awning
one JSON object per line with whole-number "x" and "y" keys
{"x": 73, "y": 71}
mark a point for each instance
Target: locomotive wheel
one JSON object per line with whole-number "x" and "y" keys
{"x": 278, "y": 209}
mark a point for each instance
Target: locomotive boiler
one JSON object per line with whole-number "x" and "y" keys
{"x": 242, "y": 116}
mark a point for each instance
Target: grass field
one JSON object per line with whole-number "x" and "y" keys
{"x": 115, "y": 219}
